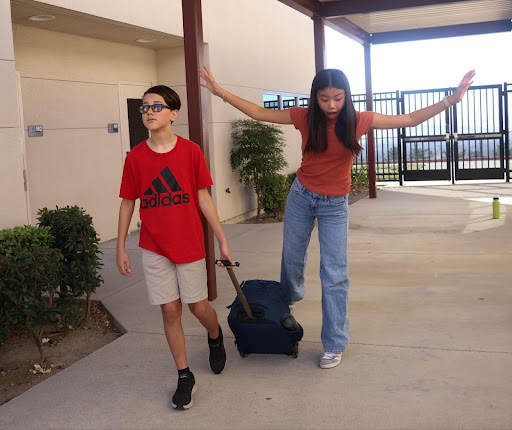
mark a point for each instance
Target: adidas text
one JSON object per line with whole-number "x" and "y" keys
{"x": 164, "y": 200}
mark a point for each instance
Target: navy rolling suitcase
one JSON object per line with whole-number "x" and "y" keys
{"x": 260, "y": 320}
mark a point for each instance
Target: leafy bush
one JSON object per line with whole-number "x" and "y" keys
{"x": 257, "y": 153}
{"x": 290, "y": 177}
{"x": 23, "y": 237}
{"x": 276, "y": 192}
{"x": 360, "y": 179}
{"x": 29, "y": 278}
{"x": 77, "y": 239}
{"x": 73, "y": 315}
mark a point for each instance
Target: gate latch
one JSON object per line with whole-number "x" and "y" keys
{"x": 455, "y": 137}
{"x": 447, "y": 137}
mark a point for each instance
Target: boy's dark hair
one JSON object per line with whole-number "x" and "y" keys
{"x": 169, "y": 95}
{"x": 317, "y": 124}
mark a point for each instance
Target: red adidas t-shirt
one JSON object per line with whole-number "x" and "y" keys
{"x": 327, "y": 173}
{"x": 167, "y": 186}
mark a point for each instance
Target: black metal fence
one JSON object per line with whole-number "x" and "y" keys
{"x": 471, "y": 140}
{"x": 468, "y": 141}
{"x": 507, "y": 92}
{"x": 387, "y": 142}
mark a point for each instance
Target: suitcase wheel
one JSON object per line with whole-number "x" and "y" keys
{"x": 243, "y": 354}
{"x": 294, "y": 351}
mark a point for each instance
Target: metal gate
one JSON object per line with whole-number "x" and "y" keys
{"x": 478, "y": 138}
{"x": 426, "y": 154}
{"x": 463, "y": 142}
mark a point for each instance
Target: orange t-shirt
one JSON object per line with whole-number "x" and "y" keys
{"x": 327, "y": 173}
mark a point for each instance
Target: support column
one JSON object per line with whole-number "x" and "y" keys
{"x": 319, "y": 34}
{"x": 197, "y": 114}
{"x": 369, "y": 107}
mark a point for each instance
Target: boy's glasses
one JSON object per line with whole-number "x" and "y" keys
{"x": 157, "y": 107}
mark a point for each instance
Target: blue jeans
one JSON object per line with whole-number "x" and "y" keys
{"x": 302, "y": 208}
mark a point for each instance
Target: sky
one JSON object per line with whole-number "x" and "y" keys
{"x": 436, "y": 63}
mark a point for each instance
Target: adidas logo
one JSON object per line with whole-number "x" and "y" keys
{"x": 173, "y": 196}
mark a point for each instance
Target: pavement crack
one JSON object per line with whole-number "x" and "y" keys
{"x": 432, "y": 348}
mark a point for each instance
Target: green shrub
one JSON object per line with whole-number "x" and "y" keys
{"x": 276, "y": 191}
{"x": 290, "y": 177}
{"x": 73, "y": 315}
{"x": 77, "y": 239}
{"x": 23, "y": 237}
{"x": 29, "y": 278}
{"x": 360, "y": 179}
{"x": 12, "y": 275}
{"x": 277, "y": 187}
{"x": 257, "y": 154}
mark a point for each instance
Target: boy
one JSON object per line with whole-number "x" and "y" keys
{"x": 169, "y": 175}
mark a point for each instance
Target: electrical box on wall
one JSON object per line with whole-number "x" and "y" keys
{"x": 35, "y": 130}
{"x": 113, "y": 128}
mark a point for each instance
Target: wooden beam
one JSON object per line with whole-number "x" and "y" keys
{"x": 333, "y": 9}
{"x": 197, "y": 113}
{"x": 307, "y": 7}
{"x": 372, "y": 174}
{"x": 319, "y": 34}
{"x": 349, "y": 29}
{"x": 440, "y": 32}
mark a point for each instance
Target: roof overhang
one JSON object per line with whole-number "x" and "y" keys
{"x": 378, "y": 21}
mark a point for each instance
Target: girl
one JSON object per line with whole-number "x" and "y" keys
{"x": 330, "y": 129}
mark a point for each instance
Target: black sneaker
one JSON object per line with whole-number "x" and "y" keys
{"x": 182, "y": 398}
{"x": 217, "y": 353}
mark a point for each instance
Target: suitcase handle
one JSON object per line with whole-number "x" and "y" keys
{"x": 238, "y": 289}
{"x": 228, "y": 263}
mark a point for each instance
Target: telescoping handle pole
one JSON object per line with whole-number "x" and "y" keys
{"x": 239, "y": 291}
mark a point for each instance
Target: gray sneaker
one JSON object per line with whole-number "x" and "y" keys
{"x": 330, "y": 359}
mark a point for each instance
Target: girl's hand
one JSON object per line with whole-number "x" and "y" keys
{"x": 210, "y": 82}
{"x": 466, "y": 82}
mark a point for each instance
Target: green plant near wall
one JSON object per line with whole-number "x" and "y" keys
{"x": 29, "y": 279}
{"x": 77, "y": 239}
{"x": 257, "y": 154}
{"x": 277, "y": 187}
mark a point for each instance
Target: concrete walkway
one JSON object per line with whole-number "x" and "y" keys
{"x": 431, "y": 326}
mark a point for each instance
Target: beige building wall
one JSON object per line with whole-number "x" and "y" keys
{"x": 13, "y": 207}
{"x": 171, "y": 72}
{"x": 74, "y": 87}
{"x": 159, "y": 15}
{"x": 253, "y": 47}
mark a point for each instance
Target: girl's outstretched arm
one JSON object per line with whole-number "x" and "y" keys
{"x": 417, "y": 117}
{"x": 251, "y": 109}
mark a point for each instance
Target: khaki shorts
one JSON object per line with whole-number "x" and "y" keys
{"x": 167, "y": 282}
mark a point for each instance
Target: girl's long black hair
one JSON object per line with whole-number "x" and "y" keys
{"x": 317, "y": 123}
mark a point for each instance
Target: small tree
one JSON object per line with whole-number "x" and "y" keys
{"x": 77, "y": 239}
{"x": 257, "y": 154}
{"x": 29, "y": 277}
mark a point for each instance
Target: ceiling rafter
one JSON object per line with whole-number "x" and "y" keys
{"x": 349, "y": 29}
{"x": 362, "y": 20}
{"x": 338, "y": 8}
{"x": 440, "y": 32}
{"x": 307, "y": 7}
